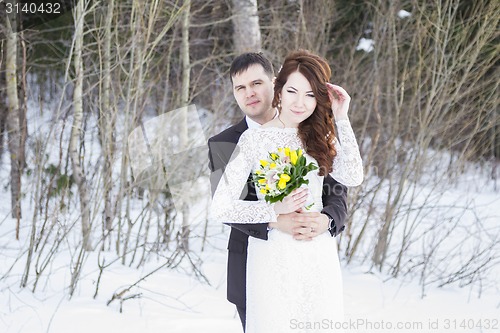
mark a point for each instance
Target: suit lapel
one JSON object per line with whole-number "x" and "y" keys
{"x": 240, "y": 127}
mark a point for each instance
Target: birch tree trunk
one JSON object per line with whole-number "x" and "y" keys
{"x": 245, "y": 18}
{"x": 13, "y": 124}
{"x": 107, "y": 120}
{"x": 23, "y": 107}
{"x": 183, "y": 133}
{"x": 3, "y": 109}
{"x": 246, "y": 34}
{"x": 76, "y": 130}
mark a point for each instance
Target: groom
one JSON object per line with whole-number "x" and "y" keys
{"x": 252, "y": 78}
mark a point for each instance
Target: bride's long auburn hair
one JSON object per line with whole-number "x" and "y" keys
{"x": 316, "y": 132}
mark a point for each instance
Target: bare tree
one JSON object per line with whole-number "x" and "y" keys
{"x": 13, "y": 124}
{"x": 186, "y": 69}
{"x": 77, "y": 127}
{"x": 246, "y": 35}
{"x": 412, "y": 100}
{"x": 107, "y": 117}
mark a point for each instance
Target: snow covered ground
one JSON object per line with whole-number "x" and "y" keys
{"x": 171, "y": 301}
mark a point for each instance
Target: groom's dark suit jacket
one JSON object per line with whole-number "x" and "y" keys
{"x": 220, "y": 149}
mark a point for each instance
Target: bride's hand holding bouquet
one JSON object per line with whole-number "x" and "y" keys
{"x": 293, "y": 202}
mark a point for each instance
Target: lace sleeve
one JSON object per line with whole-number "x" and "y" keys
{"x": 226, "y": 204}
{"x": 347, "y": 164}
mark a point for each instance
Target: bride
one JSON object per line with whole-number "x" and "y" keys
{"x": 298, "y": 285}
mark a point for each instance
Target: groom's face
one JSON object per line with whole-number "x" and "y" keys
{"x": 253, "y": 90}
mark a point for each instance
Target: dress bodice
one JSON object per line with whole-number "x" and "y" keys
{"x": 254, "y": 145}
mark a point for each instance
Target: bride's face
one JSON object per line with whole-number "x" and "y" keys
{"x": 297, "y": 100}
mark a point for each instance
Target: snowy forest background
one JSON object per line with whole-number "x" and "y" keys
{"x": 99, "y": 178}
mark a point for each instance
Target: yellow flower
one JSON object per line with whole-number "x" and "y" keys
{"x": 263, "y": 191}
{"x": 264, "y": 163}
{"x": 268, "y": 187}
{"x": 262, "y": 181}
{"x": 293, "y": 157}
{"x": 274, "y": 156}
{"x": 272, "y": 165}
{"x": 284, "y": 177}
{"x": 259, "y": 172}
{"x": 300, "y": 152}
{"x": 287, "y": 151}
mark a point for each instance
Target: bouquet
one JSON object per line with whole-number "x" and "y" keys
{"x": 281, "y": 173}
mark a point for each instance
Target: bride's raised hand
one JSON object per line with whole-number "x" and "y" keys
{"x": 340, "y": 101}
{"x": 292, "y": 202}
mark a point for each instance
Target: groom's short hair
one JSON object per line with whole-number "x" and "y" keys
{"x": 245, "y": 60}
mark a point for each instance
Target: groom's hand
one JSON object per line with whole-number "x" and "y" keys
{"x": 308, "y": 225}
{"x": 302, "y": 225}
{"x": 284, "y": 223}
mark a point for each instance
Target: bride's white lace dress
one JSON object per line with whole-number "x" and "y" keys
{"x": 292, "y": 286}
